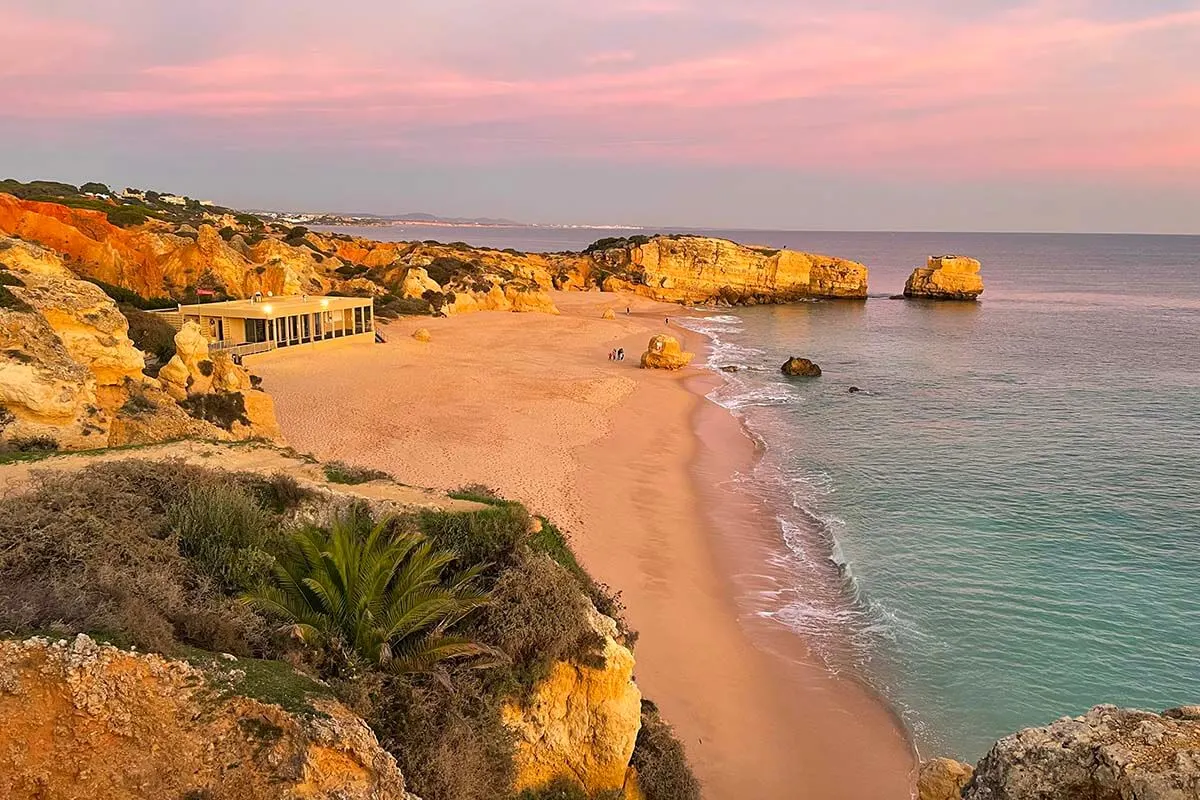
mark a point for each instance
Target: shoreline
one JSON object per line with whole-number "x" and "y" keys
{"x": 635, "y": 465}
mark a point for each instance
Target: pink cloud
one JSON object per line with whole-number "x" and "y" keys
{"x": 1040, "y": 87}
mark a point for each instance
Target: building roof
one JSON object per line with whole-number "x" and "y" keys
{"x": 280, "y": 306}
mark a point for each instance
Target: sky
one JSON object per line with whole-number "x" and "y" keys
{"x": 973, "y": 115}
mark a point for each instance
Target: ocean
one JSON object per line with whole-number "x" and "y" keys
{"x": 1003, "y": 526}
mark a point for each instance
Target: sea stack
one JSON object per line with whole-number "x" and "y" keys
{"x": 665, "y": 352}
{"x": 797, "y": 367}
{"x": 946, "y": 278}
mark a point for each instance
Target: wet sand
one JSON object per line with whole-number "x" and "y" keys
{"x": 636, "y": 466}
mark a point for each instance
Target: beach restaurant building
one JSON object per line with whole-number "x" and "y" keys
{"x": 259, "y": 324}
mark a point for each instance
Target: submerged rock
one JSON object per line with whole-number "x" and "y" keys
{"x": 730, "y": 368}
{"x": 854, "y": 390}
{"x": 665, "y": 352}
{"x": 800, "y": 367}
{"x": 946, "y": 278}
{"x": 1107, "y": 754}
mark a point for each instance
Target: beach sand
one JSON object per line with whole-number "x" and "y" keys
{"x": 635, "y": 465}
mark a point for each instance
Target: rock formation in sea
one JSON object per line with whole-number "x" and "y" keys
{"x": 665, "y": 352}
{"x": 800, "y": 367}
{"x": 71, "y": 378}
{"x": 946, "y": 278}
{"x": 700, "y": 269}
{"x": 82, "y": 719}
{"x": 1109, "y": 753}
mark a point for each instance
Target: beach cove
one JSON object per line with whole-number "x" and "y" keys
{"x": 637, "y": 466}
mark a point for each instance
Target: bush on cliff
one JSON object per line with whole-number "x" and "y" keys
{"x": 227, "y": 533}
{"x": 92, "y": 551}
{"x": 151, "y": 333}
{"x": 369, "y": 594}
{"x": 661, "y": 763}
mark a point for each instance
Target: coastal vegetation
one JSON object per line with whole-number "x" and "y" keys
{"x": 425, "y": 623}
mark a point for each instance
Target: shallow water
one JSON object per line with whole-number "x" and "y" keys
{"x": 1004, "y": 524}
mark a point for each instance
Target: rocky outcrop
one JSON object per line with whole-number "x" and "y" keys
{"x": 78, "y": 719}
{"x": 422, "y": 335}
{"x": 946, "y": 278}
{"x": 665, "y": 352}
{"x": 698, "y": 269}
{"x": 800, "y": 368}
{"x": 417, "y": 282}
{"x": 580, "y": 723}
{"x": 70, "y": 378}
{"x": 608, "y": 314}
{"x": 194, "y": 374}
{"x": 942, "y": 779}
{"x": 1107, "y": 754}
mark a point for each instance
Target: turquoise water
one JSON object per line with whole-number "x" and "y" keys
{"x": 1014, "y": 499}
{"x": 1004, "y": 526}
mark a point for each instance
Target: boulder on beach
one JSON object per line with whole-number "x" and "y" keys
{"x": 942, "y": 779}
{"x": 800, "y": 368}
{"x": 608, "y": 314}
{"x": 665, "y": 352}
{"x": 422, "y": 335}
{"x": 946, "y": 278}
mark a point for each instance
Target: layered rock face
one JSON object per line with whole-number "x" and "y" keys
{"x": 1107, "y": 754}
{"x": 581, "y": 723}
{"x": 797, "y": 367}
{"x": 79, "y": 719}
{"x": 697, "y": 269}
{"x": 70, "y": 378}
{"x": 946, "y": 278}
{"x": 665, "y": 352}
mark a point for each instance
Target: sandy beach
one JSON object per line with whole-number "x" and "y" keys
{"x": 635, "y": 465}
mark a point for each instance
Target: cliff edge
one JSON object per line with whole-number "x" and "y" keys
{"x": 699, "y": 269}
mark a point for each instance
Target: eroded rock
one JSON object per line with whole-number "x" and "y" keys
{"x": 665, "y": 352}
{"x": 580, "y": 723}
{"x": 800, "y": 367}
{"x": 942, "y": 779}
{"x": 1107, "y": 754}
{"x": 946, "y": 278}
{"x": 80, "y": 719}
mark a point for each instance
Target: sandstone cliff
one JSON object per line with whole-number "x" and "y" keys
{"x": 70, "y": 378}
{"x": 581, "y": 723}
{"x": 697, "y": 269}
{"x": 78, "y": 719}
{"x": 946, "y": 278}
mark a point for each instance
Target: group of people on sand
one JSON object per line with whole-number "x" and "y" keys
{"x": 617, "y": 355}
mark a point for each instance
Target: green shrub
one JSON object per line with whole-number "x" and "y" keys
{"x": 225, "y": 531}
{"x": 370, "y": 594}
{"x": 493, "y": 536}
{"x": 92, "y": 187}
{"x": 249, "y": 221}
{"x": 226, "y": 233}
{"x": 151, "y": 333}
{"x": 447, "y": 737}
{"x": 11, "y": 302}
{"x": 341, "y": 472}
{"x": 90, "y": 551}
{"x": 222, "y": 409}
{"x": 552, "y": 541}
{"x": 537, "y": 616}
{"x": 126, "y": 216}
{"x": 661, "y": 763}
{"x": 29, "y": 444}
{"x": 127, "y": 297}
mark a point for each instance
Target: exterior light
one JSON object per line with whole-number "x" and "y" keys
{"x": 267, "y": 308}
{"x": 324, "y": 304}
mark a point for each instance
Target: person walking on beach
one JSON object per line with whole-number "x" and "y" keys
{"x": 667, "y": 321}
{"x": 620, "y": 354}
{"x": 612, "y": 355}
{"x": 627, "y": 311}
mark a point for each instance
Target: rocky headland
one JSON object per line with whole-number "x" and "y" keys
{"x": 946, "y": 278}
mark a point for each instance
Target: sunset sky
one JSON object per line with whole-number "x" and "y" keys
{"x": 1078, "y": 115}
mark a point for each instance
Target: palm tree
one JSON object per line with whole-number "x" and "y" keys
{"x": 366, "y": 593}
